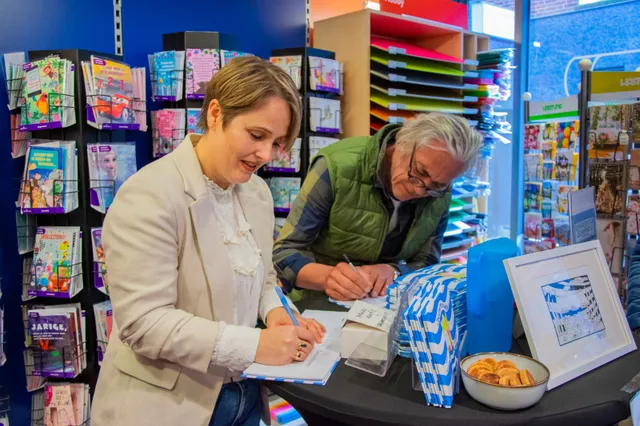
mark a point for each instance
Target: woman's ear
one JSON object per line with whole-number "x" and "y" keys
{"x": 214, "y": 114}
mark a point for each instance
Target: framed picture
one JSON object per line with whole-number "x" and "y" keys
{"x": 570, "y": 309}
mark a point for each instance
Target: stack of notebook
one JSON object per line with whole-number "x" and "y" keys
{"x": 435, "y": 336}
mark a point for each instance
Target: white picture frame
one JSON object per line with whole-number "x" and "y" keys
{"x": 570, "y": 309}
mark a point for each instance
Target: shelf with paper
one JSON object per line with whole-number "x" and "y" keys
{"x": 402, "y": 49}
{"x": 456, "y": 241}
{"x": 416, "y": 64}
{"x": 419, "y": 78}
{"x": 394, "y": 103}
{"x": 413, "y": 91}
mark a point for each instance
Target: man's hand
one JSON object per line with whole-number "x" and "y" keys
{"x": 381, "y": 276}
{"x": 343, "y": 283}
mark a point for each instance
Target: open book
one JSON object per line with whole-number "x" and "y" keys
{"x": 320, "y": 363}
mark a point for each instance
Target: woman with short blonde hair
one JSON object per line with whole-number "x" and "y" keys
{"x": 188, "y": 243}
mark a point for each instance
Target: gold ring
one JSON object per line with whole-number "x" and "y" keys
{"x": 298, "y": 356}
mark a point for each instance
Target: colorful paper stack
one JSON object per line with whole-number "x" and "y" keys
{"x": 435, "y": 339}
{"x": 283, "y": 413}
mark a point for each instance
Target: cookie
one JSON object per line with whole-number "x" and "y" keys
{"x": 515, "y": 380}
{"x": 505, "y": 381}
{"x": 506, "y": 364}
{"x": 483, "y": 364}
{"x": 476, "y": 370}
{"x": 492, "y": 362}
{"x": 507, "y": 371}
{"x": 489, "y": 378}
{"x": 526, "y": 377}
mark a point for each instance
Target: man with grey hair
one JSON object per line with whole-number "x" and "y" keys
{"x": 380, "y": 201}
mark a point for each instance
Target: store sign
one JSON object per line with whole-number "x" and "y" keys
{"x": 561, "y": 110}
{"x": 444, "y": 11}
{"x": 606, "y": 86}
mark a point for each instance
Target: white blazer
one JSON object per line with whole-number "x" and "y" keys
{"x": 169, "y": 273}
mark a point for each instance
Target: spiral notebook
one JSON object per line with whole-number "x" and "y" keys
{"x": 318, "y": 367}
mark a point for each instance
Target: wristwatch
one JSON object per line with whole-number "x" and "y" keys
{"x": 396, "y": 272}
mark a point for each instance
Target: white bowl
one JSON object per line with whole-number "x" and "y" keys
{"x": 504, "y": 397}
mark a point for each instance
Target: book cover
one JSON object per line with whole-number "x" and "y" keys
{"x": 43, "y": 84}
{"x": 611, "y": 239}
{"x": 324, "y": 74}
{"x": 202, "y": 65}
{"x": 606, "y": 125}
{"x": 562, "y": 200}
{"x": 193, "y": 116}
{"x": 532, "y": 196}
{"x": 316, "y": 143}
{"x": 284, "y": 192}
{"x": 45, "y": 166}
{"x": 567, "y": 135}
{"x": 285, "y": 161}
{"x": 532, "y": 167}
{"x": 100, "y": 278}
{"x": 607, "y": 179}
{"x": 533, "y": 136}
{"x": 533, "y": 225}
{"x": 58, "y": 406}
{"x": 110, "y": 164}
{"x": 292, "y": 65}
{"x": 53, "y": 335}
{"x": 53, "y": 259}
{"x": 113, "y": 100}
{"x": 228, "y": 55}
{"x": 325, "y": 115}
{"x": 168, "y": 75}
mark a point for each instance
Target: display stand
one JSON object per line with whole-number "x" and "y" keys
{"x": 550, "y": 172}
{"x": 397, "y": 66}
{"x": 601, "y": 92}
{"x": 84, "y": 216}
{"x": 305, "y": 131}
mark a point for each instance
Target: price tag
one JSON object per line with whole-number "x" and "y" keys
{"x": 397, "y": 64}
{"x": 397, "y": 92}
{"x": 397, "y": 50}
{"x": 396, "y": 107}
{"x": 396, "y": 77}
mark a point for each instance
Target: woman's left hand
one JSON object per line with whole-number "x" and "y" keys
{"x": 278, "y": 317}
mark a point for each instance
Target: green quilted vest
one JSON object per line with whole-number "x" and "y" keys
{"x": 358, "y": 220}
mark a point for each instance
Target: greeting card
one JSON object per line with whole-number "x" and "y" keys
{"x": 292, "y": 65}
{"x": 533, "y": 225}
{"x": 324, "y": 74}
{"x": 607, "y": 179}
{"x": 202, "y": 65}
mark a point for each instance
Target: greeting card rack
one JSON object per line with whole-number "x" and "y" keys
{"x": 84, "y": 216}
{"x": 306, "y": 132}
{"x": 610, "y": 121}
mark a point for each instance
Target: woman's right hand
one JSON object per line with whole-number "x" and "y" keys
{"x": 280, "y": 345}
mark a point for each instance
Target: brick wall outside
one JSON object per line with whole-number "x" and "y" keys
{"x": 540, "y": 8}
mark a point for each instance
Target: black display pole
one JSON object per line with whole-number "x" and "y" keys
{"x": 583, "y": 110}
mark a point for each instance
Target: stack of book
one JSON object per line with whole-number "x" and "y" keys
{"x": 100, "y": 277}
{"x": 50, "y": 178}
{"x": 56, "y": 269}
{"x": 167, "y": 75}
{"x": 110, "y": 164}
{"x": 48, "y": 93}
{"x": 114, "y": 94}
{"x": 284, "y": 192}
{"x": 285, "y": 161}
{"x": 58, "y": 342}
{"x": 415, "y": 281}
{"x": 435, "y": 336}
{"x": 66, "y": 404}
{"x": 104, "y": 322}
{"x": 168, "y": 126}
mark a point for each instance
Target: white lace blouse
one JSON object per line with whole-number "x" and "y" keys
{"x": 237, "y": 343}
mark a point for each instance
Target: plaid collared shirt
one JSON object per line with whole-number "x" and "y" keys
{"x": 310, "y": 214}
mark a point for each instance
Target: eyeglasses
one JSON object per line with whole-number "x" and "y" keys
{"x": 436, "y": 190}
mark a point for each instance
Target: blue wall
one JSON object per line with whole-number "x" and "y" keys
{"x": 595, "y": 30}
{"x": 256, "y": 26}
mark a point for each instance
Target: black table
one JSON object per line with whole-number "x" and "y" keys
{"x": 353, "y": 397}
